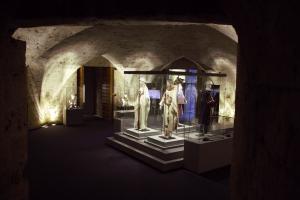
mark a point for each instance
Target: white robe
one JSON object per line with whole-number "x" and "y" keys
{"x": 142, "y": 107}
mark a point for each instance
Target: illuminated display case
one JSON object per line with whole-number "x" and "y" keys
{"x": 137, "y": 108}
{"x": 176, "y": 102}
{"x": 72, "y": 114}
{"x": 157, "y": 112}
{"x": 71, "y": 98}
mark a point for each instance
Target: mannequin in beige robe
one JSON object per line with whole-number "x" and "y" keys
{"x": 170, "y": 112}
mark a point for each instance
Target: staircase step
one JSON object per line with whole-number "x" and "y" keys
{"x": 153, "y": 161}
{"x": 163, "y": 154}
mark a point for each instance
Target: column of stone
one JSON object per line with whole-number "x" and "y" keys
{"x": 13, "y": 109}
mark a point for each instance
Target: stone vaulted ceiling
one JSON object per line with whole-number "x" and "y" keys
{"x": 54, "y": 53}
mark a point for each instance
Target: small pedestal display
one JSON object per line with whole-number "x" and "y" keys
{"x": 141, "y": 134}
{"x": 165, "y": 142}
{"x": 73, "y": 114}
{"x": 73, "y": 117}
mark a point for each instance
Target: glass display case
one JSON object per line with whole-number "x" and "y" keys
{"x": 70, "y": 98}
{"x": 166, "y": 107}
{"x": 72, "y": 114}
{"x": 137, "y": 106}
{"x": 174, "y": 117}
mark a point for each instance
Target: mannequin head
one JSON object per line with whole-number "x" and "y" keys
{"x": 169, "y": 84}
{"x": 178, "y": 81}
{"x": 142, "y": 81}
{"x": 208, "y": 84}
{"x": 208, "y": 87}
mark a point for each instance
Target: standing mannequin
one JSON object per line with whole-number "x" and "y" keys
{"x": 170, "y": 113}
{"x": 180, "y": 96}
{"x": 207, "y": 103}
{"x": 142, "y": 107}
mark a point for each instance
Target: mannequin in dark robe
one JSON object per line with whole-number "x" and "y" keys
{"x": 207, "y": 102}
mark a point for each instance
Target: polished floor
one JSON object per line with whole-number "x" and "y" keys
{"x": 73, "y": 163}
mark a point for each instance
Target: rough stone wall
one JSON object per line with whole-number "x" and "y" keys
{"x": 266, "y": 159}
{"x": 38, "y": 41}
{"x": 13, "y": 121}
{"x": 139, "y": 47}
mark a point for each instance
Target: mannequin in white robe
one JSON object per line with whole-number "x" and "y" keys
{"x": 142, "y": 107}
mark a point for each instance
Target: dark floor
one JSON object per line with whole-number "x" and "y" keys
{"x": 75, "y": 163}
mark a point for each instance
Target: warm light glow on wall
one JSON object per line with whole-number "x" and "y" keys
{"x": 49, "y": 115}
{"x": 58, "y": 74}
{"x": 52, "y": 112}
{"x": 227, "y": 84}
{"x": 128, "y": 84}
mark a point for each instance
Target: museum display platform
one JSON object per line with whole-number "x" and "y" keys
{"x": 138, "y": 134}
{"x": 189, "y": 149}
{"x": 165, "y": 143}
{"x": 209, "y": 151}
{"x": 163, "y": 159}
{"x": 73, "y": 117}
{"x": 126, "y": 122}
{"x": 184, "y": 128}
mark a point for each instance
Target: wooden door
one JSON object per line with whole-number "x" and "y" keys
{"x": 103, "y": 88}
{"x": 107, "y": 90}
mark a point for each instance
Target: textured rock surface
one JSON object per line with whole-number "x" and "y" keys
{"x": 267, "y": 142}
{"x": 128, "y": 45}
{"x": 13, "y": 133}
{"x": 38, "y": 41}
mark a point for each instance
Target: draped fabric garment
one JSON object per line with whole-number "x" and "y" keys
{"x": 142, "y": 108}
{"x": 170, "y": 113}
{"x": 180, "y": 99}
{"x": 190, "y": 107}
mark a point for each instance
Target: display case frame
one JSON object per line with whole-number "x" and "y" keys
{"x": 157, "y": 148}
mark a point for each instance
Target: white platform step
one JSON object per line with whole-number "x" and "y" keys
{"x": 164, "y": 143}
{"x": 141, "y": 134}
{"x": 153, "y": 161}
{"x": 164, "y": 154}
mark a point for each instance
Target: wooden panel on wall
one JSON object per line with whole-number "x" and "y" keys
{"x": 80, "y": 83}
{"x": 107, "y": 93}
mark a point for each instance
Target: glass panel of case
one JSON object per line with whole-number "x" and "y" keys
{"x": 211, "y": 123}
{"x": 171, "y": 105}
{"x": 138, "y": 110}
{"x": 70, "y": 98}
